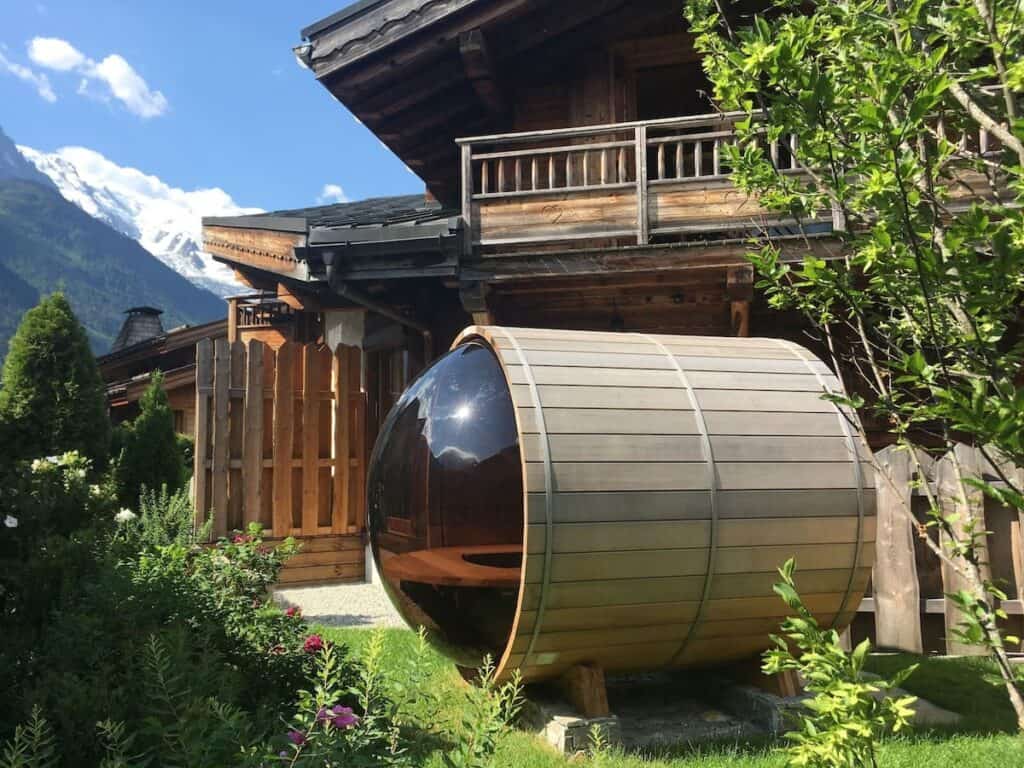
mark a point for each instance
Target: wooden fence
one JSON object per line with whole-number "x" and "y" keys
{"x": 280, "y": 441}
{"x": 907, "y": 608}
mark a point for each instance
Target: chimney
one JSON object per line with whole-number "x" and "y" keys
{"x": 141, "y": 324}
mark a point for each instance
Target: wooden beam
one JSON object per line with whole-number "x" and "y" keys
{"x": 584, "y": 686}
{"x": 475, "y": 300}
{"x": 297, "y": 301}
{"x": 479, "y": 68}
{"x": 232, "y": 320}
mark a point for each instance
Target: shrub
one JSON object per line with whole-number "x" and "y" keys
{"x": 149, "y": 454}
{"x": 52, "y": 399}
{"x": 847, "y": 714}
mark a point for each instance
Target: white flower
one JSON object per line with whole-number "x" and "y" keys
{"x": 53, "y": 459}
{"x": 125, "y": 515}
{"x": 95, "y": 491}
{"x": 11, "y": 521}
{"x": 37, "y": 464}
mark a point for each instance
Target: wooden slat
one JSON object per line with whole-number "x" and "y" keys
{"x": 588, "y": 421}
{"x": 746, "y": 400}
{"x": 771, "y": 424}
{"x": 204, "y": 386}
{"x": 967, "y": 506}
{"x": 896, "y": 590}
{"x": 552, "y": 396}
{"x": 252, "y": 446}
{"x": 587, "y": 448}
{"x": 607, "y": 506}
{"x": 284, "y": 420}
{"x": 663, "y": 563}
{"x": 221, "y": 437}
{"x": 341, "y": 513}
{"x": 340, "y": 572}
{"x": 310, "y": 439}
{"x": 589, "y": 359}
{"x": 234, "y": 514}
{"x": 609, "y": 377}
{"x": 683, "y": 476}
{"x": 687, "y": 534}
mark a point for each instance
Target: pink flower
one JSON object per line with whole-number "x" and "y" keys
{"x": 298, "y": 738}
{"x": 293, "y": 612}
{"x": 241, "y": 538}
{"x": 343, "y": 718}
{"x": 313, "y": 644}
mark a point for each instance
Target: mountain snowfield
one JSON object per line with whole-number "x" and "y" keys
{"x": 165, "y": 220}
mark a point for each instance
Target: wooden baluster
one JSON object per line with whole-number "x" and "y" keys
{"x": 698, "y": 146}
{"x": 773, "y": 150}
{"x": 716, "y": 160}
{"x": 586, "y": 168}
{"x": 604, "y": 166}
{"x": 485, "y": 177}
{"x": 534, "y": 175}
{"x": 568, "y": 169}
{"x": 792, "y": 152}
{"x": 680, "y": 168}
{"x": 622, "y": 177}
{"x": 661, "y": 162}
{"x": 551, "y": 171}
{"x": 501, "y": 174}
{"x": 519, "y": 174}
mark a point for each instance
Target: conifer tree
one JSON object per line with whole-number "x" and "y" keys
{"x": 150, "y": 454}
{"x": 52, "y": 398}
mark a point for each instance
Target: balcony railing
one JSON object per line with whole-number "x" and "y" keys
{"x": 635, "y": 182}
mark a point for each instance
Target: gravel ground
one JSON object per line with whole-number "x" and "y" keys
{"x": 342, "y": 605}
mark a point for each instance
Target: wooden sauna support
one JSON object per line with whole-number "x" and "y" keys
{"x": 558, "y": 498}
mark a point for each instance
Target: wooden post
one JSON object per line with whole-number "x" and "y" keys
{"x": 739, "y": 284}
{"x": 232, "y": 320}
{"x": 584, "y": 686}
{"x": 310, "y": 440}
{"x": 252, "y": 445}
{"x": 234, "y": 518}
{"x": 467, "y": 195}
{"x": 968, "y": 505}
{"x": 896, "y": 590}
{"x": 284, "y": 451}
{"x": 221, "y": 436}
{"x": 642, "y": 221}
{"x": 201, "y": 452}
{"x": 341, "y": 513}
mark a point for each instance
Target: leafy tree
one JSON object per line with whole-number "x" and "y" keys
{"x": 150, "y": 455}
{"x": 52, "y": 399}
{"x": 904, "y": 119}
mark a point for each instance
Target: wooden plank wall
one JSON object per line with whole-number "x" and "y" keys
{"x": 280, "y": 442}
{"x": 907, "y": 608}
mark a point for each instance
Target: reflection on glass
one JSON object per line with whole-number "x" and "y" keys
{"x": 446, "y": 505}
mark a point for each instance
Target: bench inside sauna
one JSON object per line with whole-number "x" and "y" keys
{"x": 558, "y": 498}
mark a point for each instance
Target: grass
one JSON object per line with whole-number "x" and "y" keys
{"x": 986, "y": 739}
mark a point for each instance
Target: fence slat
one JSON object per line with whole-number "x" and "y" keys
{"x": 896, "y": 590}
{"x": 968, "y": 504}
{"x": 310, "y": 440}
{"x": 201, "y": 453}
{"x": 284, "y": 421}
{"x": 221, "y": 437}
{"x": 252, "y": 445}
{"x": 341, "y": 511}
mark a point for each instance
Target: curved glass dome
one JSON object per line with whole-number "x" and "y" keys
{"x": 446, "y": 505}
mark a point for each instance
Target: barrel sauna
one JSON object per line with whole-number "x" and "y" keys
{"x": 554, "y": 498}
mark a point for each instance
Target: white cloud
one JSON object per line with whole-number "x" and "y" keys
{"x": 54, "y": 53}
{"x": 37, "y": 79}
{"x": 120, "y": 79}
{"x": 332, "y": 193}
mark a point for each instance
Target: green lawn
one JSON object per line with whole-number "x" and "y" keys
{"x": 985, "y": 741}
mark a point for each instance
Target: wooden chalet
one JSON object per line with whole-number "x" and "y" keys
{"x": 575, "y": 179}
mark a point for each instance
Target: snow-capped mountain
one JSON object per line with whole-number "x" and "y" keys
{"x": 165, "y": 220}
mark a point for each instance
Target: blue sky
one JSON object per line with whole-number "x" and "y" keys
{"x": 201, "y": 93}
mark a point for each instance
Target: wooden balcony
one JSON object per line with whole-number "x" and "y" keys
{"x": 621, "y": 184}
